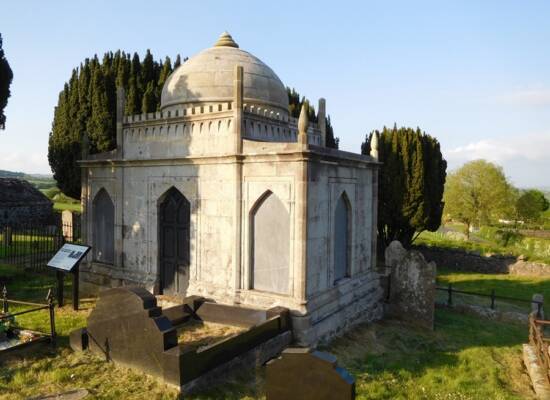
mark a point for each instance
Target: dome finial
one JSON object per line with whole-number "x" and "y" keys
{"x": 225, "y": 40}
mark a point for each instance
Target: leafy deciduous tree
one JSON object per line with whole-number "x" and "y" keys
{"x": 530, "y": 204}
{"x": 478, "y": 193}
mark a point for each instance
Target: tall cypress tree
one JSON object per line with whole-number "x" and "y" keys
{"x": 147, "y": 69}
{"x": 6, "y": 76}
{"x": 177, "y": 63}
{"x": 165, "y": 71}
{"x": 331, "y": 141}
{"x": 149, "y": 99}
{"x": 123, "y": 71}
{"x": 59, "y": 145}
{"x": 411, "y": 183}
{"x": 133, "y": 104}
{"x": 100, "y": 126}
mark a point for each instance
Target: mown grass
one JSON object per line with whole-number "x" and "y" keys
{"x": 464, "y": 358}
{"x": 504, "y": 285}
{"x": 22, "y": 244}
{"x": 62, "y": 206}
{"x": 522, "y": 287}
{"x": 61, "y": 202}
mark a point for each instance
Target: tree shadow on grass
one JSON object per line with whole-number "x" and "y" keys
{"x": 396, "y": 347}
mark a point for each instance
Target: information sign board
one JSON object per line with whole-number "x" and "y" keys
{"x": 68, "y": 257}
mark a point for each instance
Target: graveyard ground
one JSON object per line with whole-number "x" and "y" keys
{"x": 464, "y": 358}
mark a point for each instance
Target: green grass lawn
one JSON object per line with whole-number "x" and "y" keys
{"x": 520, "y": 287}
{"x": 26, "y": 244}
{"x": 61, "y": 202}
{"x": 62, "y": 206}
{"x": 464, "y": 358}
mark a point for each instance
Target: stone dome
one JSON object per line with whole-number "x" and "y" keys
{"x": 208, "y": 78}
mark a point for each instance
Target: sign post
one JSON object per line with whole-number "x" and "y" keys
{"x": 68, "y": 259}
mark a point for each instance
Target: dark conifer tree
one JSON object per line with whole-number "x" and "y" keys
{"x": 177, "y": 63}
{"x": 332, "y": 141}
{"x": 147, "y": 69}
{"x": 59, "y": 144}
{"x": 411, "y": 183}
{"x": 6, "y": 76}
{"x": 100, "y": 126}
{"x": 133, "y": 102}
{"x": 165, "y": 71}
{"x": 123, "y": 71}
{"x": 149, "y": 99}
{"x": 295, "y": 106}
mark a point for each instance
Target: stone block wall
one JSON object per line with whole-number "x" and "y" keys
{"x": 31, "y": 213}
{"x": 460, "y": 260}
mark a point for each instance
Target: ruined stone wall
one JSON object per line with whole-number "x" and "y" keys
{"x": 460, "y": 260}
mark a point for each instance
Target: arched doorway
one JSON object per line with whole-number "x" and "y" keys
{"x": 342, "y": 238}
{"x": 103, "y": 228}
{"x": 174, "y": 255}
{"x": 270, "y": 237}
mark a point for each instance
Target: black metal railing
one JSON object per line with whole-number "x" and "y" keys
{"x": 492, "y": 296}
{"x": 33, "y": 245}
{"x": 6, "y": 314}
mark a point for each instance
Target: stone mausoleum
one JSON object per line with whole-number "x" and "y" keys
{"x": 224, "y": 195}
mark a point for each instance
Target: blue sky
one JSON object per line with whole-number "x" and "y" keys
{"x": 475, "y": 74}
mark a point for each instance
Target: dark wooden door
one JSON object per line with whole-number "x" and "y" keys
{"x": 174, "y": 221}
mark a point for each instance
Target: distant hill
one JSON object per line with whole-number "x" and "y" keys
{"x": 40, "y": 181}
{"x": 11, "y": 174}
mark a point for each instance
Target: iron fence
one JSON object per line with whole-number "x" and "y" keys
{"x": 540, "y": 343}
{"x": 6, "y": 314}
{"x": 32, "y": 245}
{"x": 507, "y": 303}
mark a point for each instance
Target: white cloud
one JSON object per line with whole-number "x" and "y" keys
{"x": 525, "y": 158}
{"x": 531, "y": 147}
{"x": 530, "y": 97}
{"x": 31, "y": 163}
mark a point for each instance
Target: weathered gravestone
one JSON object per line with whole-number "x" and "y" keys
{"x": 412, "y": 286}
{"x": 68, "y": 221}
{"x": 129, "y": 328}
{"x": 302, "y": 374}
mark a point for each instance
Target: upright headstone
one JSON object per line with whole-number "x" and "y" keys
{"x": 67, "y": 223}
{"x": 412, "y": 285}
{"x": 128, "y": 327}
{"x": 302, "y": 374}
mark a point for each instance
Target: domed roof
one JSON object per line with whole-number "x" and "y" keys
{"x": 208, "y": 77}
